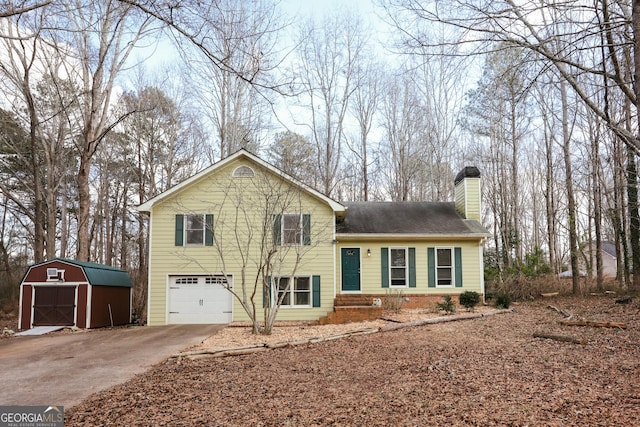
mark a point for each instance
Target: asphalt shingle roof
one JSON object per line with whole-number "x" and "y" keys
{"x": 406, "y": 218}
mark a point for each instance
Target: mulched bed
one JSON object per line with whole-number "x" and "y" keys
{"x": 483, "y": 372}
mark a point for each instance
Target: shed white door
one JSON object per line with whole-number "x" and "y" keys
{"x": 199, "y": 300}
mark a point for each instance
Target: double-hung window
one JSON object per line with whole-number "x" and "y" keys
{"x": 292, "y": 229}
{"x": 294, "y": 291}
{"x": 444, "y": 267}
{"x": 194, "y": 230}
{"x": 398, "y": 267}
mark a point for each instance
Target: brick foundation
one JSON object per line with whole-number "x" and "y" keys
{"x": 359, "y": 307}
{"x": 409, "y": 301}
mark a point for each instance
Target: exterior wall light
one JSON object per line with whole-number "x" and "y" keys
{"x": 368, "y": 252}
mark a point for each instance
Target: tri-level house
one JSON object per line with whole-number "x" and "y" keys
{"x": 245, "y": 226}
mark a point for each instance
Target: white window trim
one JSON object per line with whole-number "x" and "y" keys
{"x": 453, "y": 266}
{"x": 274, "y": 291}
{"x": 185, "y": 230}
{"x": 300, "y": 230}
{"x": 406, "y": 268}
{"x": 243, "y": 171}
{"x": 55, "y": 275}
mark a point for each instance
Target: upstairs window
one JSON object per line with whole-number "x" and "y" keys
{"x": 292, "y": 229}
{"x": 194, "y": 230}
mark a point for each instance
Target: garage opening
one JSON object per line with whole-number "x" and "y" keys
{"x": 199, "y": 299}
{"x": 54, "y": 305}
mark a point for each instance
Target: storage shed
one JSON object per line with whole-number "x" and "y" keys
{"x": 63, "y": 292}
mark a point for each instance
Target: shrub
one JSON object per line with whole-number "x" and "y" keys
{"x": 447, "y": 304}
{"x": 469, "y": 299}
{"x": 393, "y": 300}
{"x": 502, "y": 300}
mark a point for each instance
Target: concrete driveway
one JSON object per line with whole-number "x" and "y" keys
{"x": 63, "y": 369}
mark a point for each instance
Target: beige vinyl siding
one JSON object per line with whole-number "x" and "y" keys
{"x": 371, "y": 270}
{"x": 214, "y": 194}
{"x": 467, "y": 194}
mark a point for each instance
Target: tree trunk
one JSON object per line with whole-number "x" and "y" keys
{"x": 84, "y": 206}
{"x": 597, "y": 214}
{"x": 632, "y": 177}
{"x": 38, "y": 194}
{"x": 634, "y": 218}
{"x": 571, "y": 204}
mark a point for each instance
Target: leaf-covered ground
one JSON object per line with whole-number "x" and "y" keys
{"x": 484, "y": 372}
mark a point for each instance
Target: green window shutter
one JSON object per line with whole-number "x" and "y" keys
{"x": 179, "y": 230}
{"x": 266, "y": 294}
{"x": 458, "y": 266}
{"x": 385, "y": 267}
{"x": 412, "y": 267}
{"x": 431, "y": 267}
{"x": 315, "y": 290}
{"x": 208, "y": 231}
{"x": 306, "y": 229}
{"x": 277, "y": 230}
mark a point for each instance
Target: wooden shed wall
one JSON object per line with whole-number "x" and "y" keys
{"x": 81, "y": 307}
{"x": 27, "y": 302}
{"x": 120, "y": 300}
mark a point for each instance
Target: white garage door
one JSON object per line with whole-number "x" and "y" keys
{"x": 199, "y": 300}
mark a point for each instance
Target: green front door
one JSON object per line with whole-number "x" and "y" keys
{"x": 350, "y": 269}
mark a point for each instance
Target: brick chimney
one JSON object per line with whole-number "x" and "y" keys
{"x": 467, "y": 192}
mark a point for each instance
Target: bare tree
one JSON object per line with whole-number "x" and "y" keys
{"x": 328, "y": 58}
{"x": 244, "y": 35}
{"x": 404, "y": 134}
{"x": 10, "y": 9}
{"x": 364, "y": 107}
{"x": 250, "y": 236}
{"x": 20, "y": 63}
{"x": 197, "y": 23}
{"x": 101, "y": 35}
{"x": 442, "y": 77}
{"x": 574, "y": 40}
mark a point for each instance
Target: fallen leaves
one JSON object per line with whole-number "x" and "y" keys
{"x": 485, "y": 371}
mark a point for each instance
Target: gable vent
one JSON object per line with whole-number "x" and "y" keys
{"x": 243, "y": 172}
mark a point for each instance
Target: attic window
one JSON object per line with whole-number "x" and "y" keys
{"x": 55, "y": 275}
{"x": 243, "y": 172}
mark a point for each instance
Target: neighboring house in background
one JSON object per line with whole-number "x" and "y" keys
{"x": 353, "y": 252}
{"x": 609, "y": 258}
